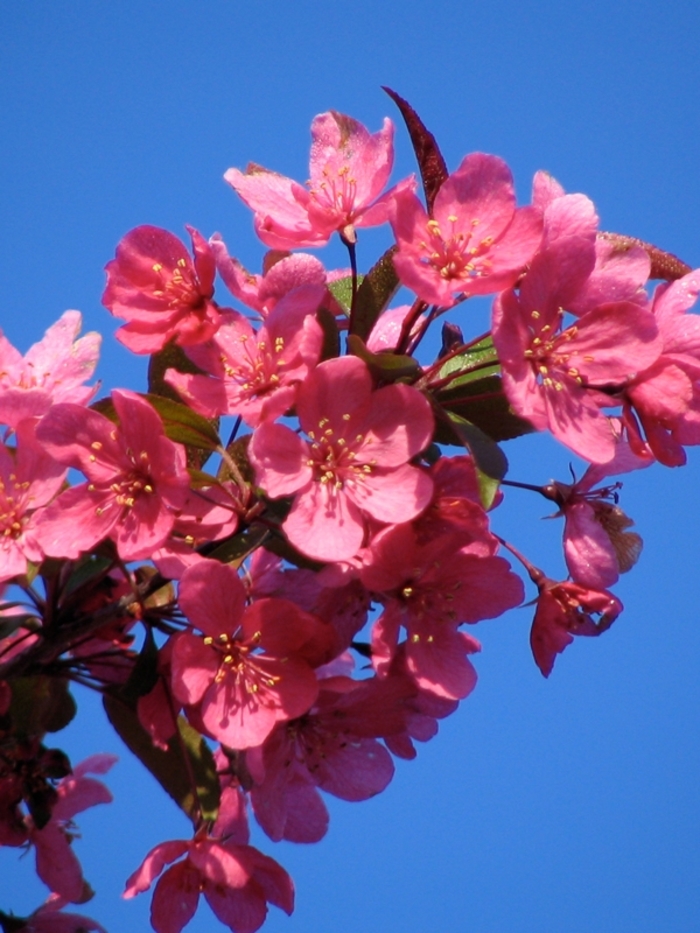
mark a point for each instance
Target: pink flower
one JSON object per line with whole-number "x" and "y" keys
{"x": 254, "y": 374}
{"x": 333, "y": 747}
{"x": 348, "y": 170}
{"x": 56, "y": 863}
{"x": 619, "y": 274}
{"x": 29, "y": 479}
{"x": 253, "y": 667}
{"x": 597, "y": 545}
{"x": 476, "y": 241}
{"x": 160, "y": 291}
{"x": 665, "y": 398}
{"x": 52, "y": 371}
{"x": 136, "y": 479}
{"x": 552, "y": 374}
{"x": 208, "y": 514}
{"x": 284, "y": 272}
{"x": 564, "y": 610}
{"x": 355, "y": 464}
{"x": 49, "y": 918}
{"x": 430, "y": 589}
{"x": 236, "y": 880}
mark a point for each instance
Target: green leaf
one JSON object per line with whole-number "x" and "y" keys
{"x": 341, "y": 290}
{"x": 387, "y": 366}
{"x": 433, "y": 170}
{"x": 40, "y": 704}
{"x": 170, "y": 357}
{"x": 201, "y": 480}
{"x": 235, "y": 549}
{"x": 11, "y": 623}
{"x": 169, "y": 767}
{"x": 488, "y": 456}
{"x": 378, "y": 288}
{"x": 183, "y": 425}
{"x": 144, "y": 674}
{"x": 482, "y": 402}
{"x": 479, "y": 360}
{"x": 331, "y": 338}
{"x": 87, "y": 569}
{"x": 488, "y": 488}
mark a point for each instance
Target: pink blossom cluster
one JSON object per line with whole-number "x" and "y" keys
{"x": 292, "y": 619}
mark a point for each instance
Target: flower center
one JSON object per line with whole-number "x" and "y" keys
{"x": 177, "y": 286}
{"x": 456, "y": 254}
{"x": 549, "y": 354}
{"x": 12, "y": 507}
{"x": 333, "y": 458}
{"x": 337, "y": 191}
{"x": 257, "y": 371}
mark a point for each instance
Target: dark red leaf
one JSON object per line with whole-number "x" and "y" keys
{"x": 433, "y": 170}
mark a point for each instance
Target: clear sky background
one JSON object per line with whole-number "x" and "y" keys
{"x": 563, "y": 805}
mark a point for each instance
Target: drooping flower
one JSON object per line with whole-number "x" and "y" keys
{"x": 56, "y": 863}
{"x": 348, "y": 170}
{"x": 355, "y": 464}
{"x": 598, "y": 546}
{"x": 475, "y": 243}
{"x": 564, "y": 610}
{"x": 51, "y": 371}
{"x": 160, "y": 291}
{"x": 235, "y": 878}
{"x": 137, "y": 478}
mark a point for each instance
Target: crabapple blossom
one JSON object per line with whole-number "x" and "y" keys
{"x": 161, "y": 292}
{"x": 355, "y": 465}
{"x": 136, "y": 479}
{"x": 50, "y": 918}
{"x": 236, "y": 880}
{"x": 29, "y": 479}
{"x": 51, "y": 371}
{"x": 475, "y": 243}
{"x": 554, "y": 375}
{"x": 430, "y": 589}
{"x": 218, "y": 593}
{"x": 56, "y": 863}
{"x": 333, "y": 747}
{"x": 253, "y": 666}
{"x": 597, "y": 545}
{"x": 665, "y": 396}
{"x": 564, "y": 610}
{"x": 348, "y": 170}
{"x": 255, "y": 374}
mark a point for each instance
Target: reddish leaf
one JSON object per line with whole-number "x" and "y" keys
{"x": 433, "y": 170}
{"x": 663, "y": 265}
{"x": 376, "y": 291}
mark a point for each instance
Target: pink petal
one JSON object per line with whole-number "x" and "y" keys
{"x": 159, "y": 856}
{"x": 175, "y": 898}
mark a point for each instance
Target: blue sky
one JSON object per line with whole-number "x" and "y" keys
{"x": 566, "y": 805}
